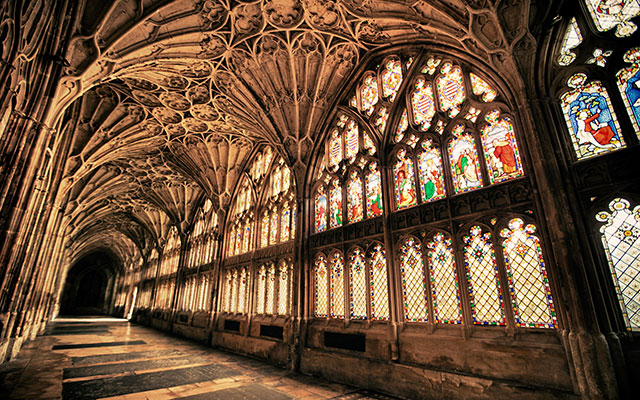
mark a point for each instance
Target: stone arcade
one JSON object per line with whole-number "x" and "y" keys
{"x": 428, "y": 199}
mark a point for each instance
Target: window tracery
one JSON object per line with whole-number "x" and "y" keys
{"x": 236, "y": 290}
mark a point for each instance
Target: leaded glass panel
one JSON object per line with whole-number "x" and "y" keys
{"x": 463, "y": 158}
{"x": 629, "y": 85}
{"x": 283, "y": 290}
{"x": 358, "y": 285}
{"x": 423, "y": 106}
{"x": 414, "y": 283}
{"x": 320, "y": 293}
{"x": 450, "y": 89}
{"x": 262, "y": 284}
{"x": 369, "y": 93}
{"x": 445, "y": 291}
{"x": 404, "y": 181}
{"x": 335, "y": 219}
{"x": 379, "y": 287}
{"x": 391, "y": 79}
{"x": 609, "y": 14}
{"x": 337, "y": 285}
{"x": 320, "y": 210}
{"x": 271, "y": 290}
{"x": 354, "y": 198}
{"x": 374, "y": 191}
{"x": 500, "y": 149}
{"x": 430, "y": 172}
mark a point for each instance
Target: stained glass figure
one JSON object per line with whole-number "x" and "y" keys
{"x": 528, "y": 283}
{"x": 271, "y": 290}
{"x": 572, "y": 39}
{"x": 335, "y": 149}
{"x": 321, "y": 210}
{"x": 450, "y": 89}
{"x": 369, "y": 93}
{"x": 445, "y": 292}
{"x": 500, "y": 148}
{"x": 404, "y": 181}
{"x": 286, "y": 220}
{"x": 463, "y": 158}
{"x": 629, "y": 85}
{"x": 283, "y": 289}
{"x": 414, "y": 282}
{"x": 273, "y": 232}
{"x": 335, "y": 219}
{"x": 621, "y": 241}
{"x": 379, "y": 287}
{"x": 357, "y": 285}
{"x": 262, "y": 284}
{"x": 599, "y": 57}
{"x": 337, "y": 285}
{"x": 482, "y": 275}
{"x": 402, "y": 126}
{"x": 422, "y": 104}
{"x": 381, "y": 119}
{"x": 430, "y": 172}
{"x": 354, "y": 198}
{"x": 351, "y": 140}
{"x": 374, "y": 191}
{"x": 264, "y": 231}
{"x": 481, "y": 88}
{"x": 609, "y": 14}
{"x": 321, "y": 288}
{"x": 391, "y": 79}
{"x": 368, "y": 144}
{"x": 590, "y": 118}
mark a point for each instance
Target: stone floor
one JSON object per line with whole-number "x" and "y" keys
{"x": 106, "y": 358}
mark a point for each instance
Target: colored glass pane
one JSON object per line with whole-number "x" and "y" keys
{"x": 351, "y": 140}
{"x": 599, "y": 57}
{"x": 404, "y": 181}
{"x": 422, "y": 104}
{"x": 335, "y": 148}
{"x": 621, "y": 241}
{"x": 368, "y": 144}
{"x": 450, "y": 89}
{"x": 262, "y": 283}
{"x": 444, "y": 281}
{"x": 335, "y": 219}
{"x": 528, "y": 283}
{"x": 590, "y": 118}
{"x": 320, "y": 210}
{"x": 286, "y": 179}
{"x": 257, "y": 166}
{"x": 283, "y": 290}
{"x": 232, "y": 243}
{"x": 268, "y": 156}
{"x": 337, "y": 286}
{"x": 273, "y": 232}
{"x": 481, "y": 88}
{"x": 379, "y": 287}
{"x": 402, "y": 126}
{"x": 609, "y": 14}
{"x": 246, "y": 239}
{"x": 234, "y": 292}
{"x": 374, "y": 191}
{"x": 482, "y": 275}
{"x": 264, "y": 231}
{"x": 293, "y": 221}
{"x": 271, "y": 290}
{"x": 414, "y": 283}
{"x": 465, "y": 167}
{"x": 369, "y": 93}
{"x": 354, "y": 198}
{"x": 277, "y": 182}
{"x": 391, "y": 79}
{"x": 242, "y": 288}
{"x": 572, "y": 39}
{"x": 430, "y": 172}
{"x": 286, "y": 220}
{"x": 629, "y": 85}
{"x": 226, "y": 307}
{"x": 431, "y": 66}
{"x": 500, "y": 149}
{"x": 320, "y": 292}
{"x": 381, "y": 119}
{"x": 238, "y": 240}
{"x": 357, "y": 285}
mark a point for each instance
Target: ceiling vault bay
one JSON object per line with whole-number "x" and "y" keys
{"x": 166, "y": 100}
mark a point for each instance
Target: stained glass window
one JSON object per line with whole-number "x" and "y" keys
{"x": 422, "y": 104}
{"x": 286, "y": 179}
{"x": 402, "y": 126}
{"x": 357, "y": 285}
{"x": 374, "y": 191}
{"x": 391, "y": 79}
{"x": 629, "y": 85}
{"x": 500, "y": 148}
{"x": 354, "y": 198}
{"x": 528, "y": 283}
{"x": 268, "y": 156}
{"x": 335, "y": 219}
{"x": 621, "y": 241}
{"x": 238, "y": 240}
{"x": 226, "y": 306}
{"x": 609, "y": 14}
{"x": 450, "y": 89}
{"x": 232, "y": 243}
{"x": 379, "y": 287}
{"x": 264, "y": 232}
{"x": 277, "y": 182}
{"x": 444, "y": 281}
{"x": 463, "y": 158}
{"x": 599, "y": 57}
{"x": 430, "y": 172}
{"x": 482, "y": 275}
{"x": 286, "y": 220}
{"x": 246, "y": 240}
{"x": 273, "y": 232}
{"x": 414, "y": 283}
{"x": 321, "y": 282}
{"x": 351, "y": 140}
{"x": 242, "y": 291}
{"x": 590, "y": 118}
{"x": 283, "y": 289}
{"x": 337, "y": 285}
{"x": 368, "y": 144}
{"x": 321, "y": 210}
{"x": 572, "y": 39}
{"x": 481, "y": 88}
{"x": 293, "y": 221}
{"x": 381, "y": 120}
{"x": 335, "y": 148}
{"x": 369, "y": 93}
{"x": 262, "y": 284}
{"x": 271, "y": 290}
{"x": 404, "y": 181}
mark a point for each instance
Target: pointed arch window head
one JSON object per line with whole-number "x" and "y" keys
{"x": 481, "y": 88}
{"x": 572, "y": 39}
{"x": 628, "y": 80}
{"x": 610, "y": 14}
{"x": 621, "y": 240}
{"x": 590, "y": 117}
